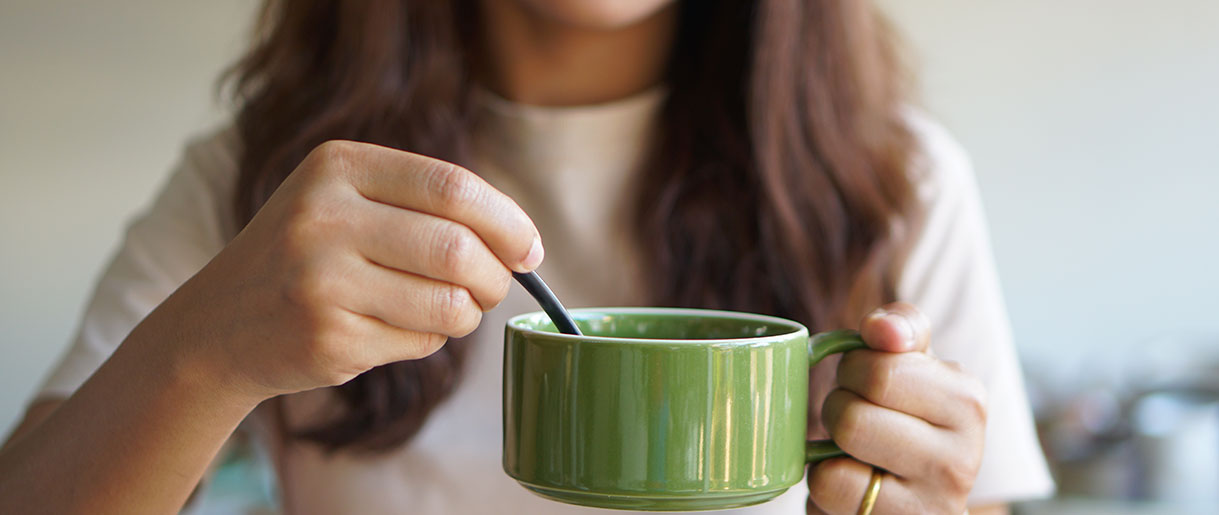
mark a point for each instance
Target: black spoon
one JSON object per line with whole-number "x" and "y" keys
{"x": 534, "y": 284}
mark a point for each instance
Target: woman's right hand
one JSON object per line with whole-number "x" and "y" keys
{"x": 365, "y": 255}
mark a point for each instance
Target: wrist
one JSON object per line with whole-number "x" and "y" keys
{"x": 145, "y": 424}
{"x": 205, "y": 376}
{"x": 186, "y": 368}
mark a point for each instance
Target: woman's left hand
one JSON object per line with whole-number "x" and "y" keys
{"x": 898, "y": 408}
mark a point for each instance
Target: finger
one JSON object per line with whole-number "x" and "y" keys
{"x": 436, "y": 248}
{"x": 837, "y": 486}
{"x": 916, "y": 384}
{"x": 897, "y": 327}
{"x": 443, "y": 189}
{"x": 902, "y": 444}
{"x": 383, "y": 343}
{"x": 410, "y": 301}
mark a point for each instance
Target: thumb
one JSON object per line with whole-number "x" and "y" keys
{"x": 897, "y": 327}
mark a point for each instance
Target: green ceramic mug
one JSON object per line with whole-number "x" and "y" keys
{"x": 661, "y": 409}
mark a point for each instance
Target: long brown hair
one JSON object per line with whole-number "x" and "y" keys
{"x": 774, "y": 186}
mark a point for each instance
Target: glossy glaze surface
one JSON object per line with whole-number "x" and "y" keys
{"x": 657, "y": 409}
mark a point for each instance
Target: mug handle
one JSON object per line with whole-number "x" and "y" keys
{"x": 820, "y": 346}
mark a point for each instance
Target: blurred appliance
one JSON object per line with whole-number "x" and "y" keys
{"x": 1176, "y": 442}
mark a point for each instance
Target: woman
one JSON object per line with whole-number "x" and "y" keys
{"x": 753, "y": 157}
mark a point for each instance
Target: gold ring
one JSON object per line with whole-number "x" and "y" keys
{"x": 873, "y": 491}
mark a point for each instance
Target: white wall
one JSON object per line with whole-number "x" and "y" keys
{"x": 96, "y": 98}
{"x": 1093, "y": 125}
{"x": 1094, "y": 128}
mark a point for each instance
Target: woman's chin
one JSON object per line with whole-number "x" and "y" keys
{"x": 597, "y": 14}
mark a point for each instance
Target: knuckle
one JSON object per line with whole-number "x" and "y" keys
{"x": 956, "y": 476}
{"x": 422, "y": 345}
{"x": 314, "y": 218}
{"x": 333, "y": 354}
{"x": 313, "y": 332}
{"x": 973, "y": 395}
{"x": 453, "y": 308}
{"x": 830, "y": 483}
{"x": 310, "y": 289}
{"x": 502, "y": 284}
{"x": 457, "y": 246}
{"x": 881, "y": 379}
{"x": 472, "y": 316}
{"x": 331, "y": 372}
{"x": 333, "y": 155}
{"x": 335, "y": 376}
{"x": 431, "y": 344}
{"x": 849, "y": 433}
{"x": 977, "y": 399}
{"x": 451, "y": 185}
{"x": 844, "y": 418}
{"x": 323, "y": 347}
{"x": 300, "y": 209}
{"x": 872, "y": 375}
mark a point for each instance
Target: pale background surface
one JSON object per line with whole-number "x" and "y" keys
{"x": 1093, "y": 125}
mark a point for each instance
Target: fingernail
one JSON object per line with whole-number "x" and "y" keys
{"x": 902, "y": 324}
{"x": 535, "y": 256}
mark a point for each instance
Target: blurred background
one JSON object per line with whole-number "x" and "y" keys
{"x": 1093, "y": 125}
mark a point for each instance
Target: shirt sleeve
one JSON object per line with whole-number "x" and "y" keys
{"x": 188, "y": 223}
{"x": 949, "y": 274}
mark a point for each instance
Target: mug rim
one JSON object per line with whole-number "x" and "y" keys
{"x": 797, "y": 329}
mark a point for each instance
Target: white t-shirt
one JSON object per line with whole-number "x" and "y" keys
{"x": 533, "y": 153}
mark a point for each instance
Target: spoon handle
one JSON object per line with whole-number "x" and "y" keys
{"x": 534, "y": 284}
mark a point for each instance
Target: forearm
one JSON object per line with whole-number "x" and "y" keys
{"x": 135, "y": 438}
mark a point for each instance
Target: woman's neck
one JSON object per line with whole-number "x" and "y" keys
{"x": 534, "y": 60}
